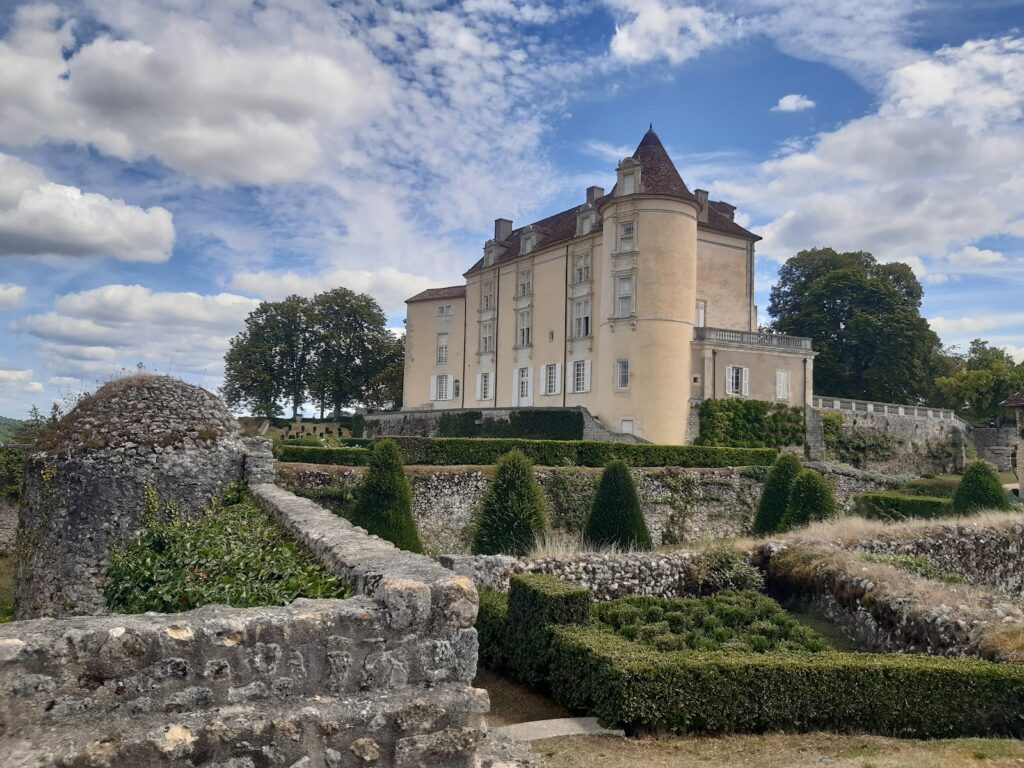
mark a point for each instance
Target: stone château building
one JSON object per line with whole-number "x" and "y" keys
{"x": 635, "y": 304}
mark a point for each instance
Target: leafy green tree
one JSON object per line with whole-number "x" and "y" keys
{"x": 513, "y": 512}
{"x": 775, "y": 497}
{"x": 616, "y": 518}
{"x": 865, "y": 319}
{"x": 810, "y": 498}
{"x": 980, "y": 488}
{"x": 384, "y": 391}
{"x": 986, "y": 376}
{"x": 384, "y": 499}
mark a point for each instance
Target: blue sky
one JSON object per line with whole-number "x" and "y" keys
{"x": 165, "y": 165}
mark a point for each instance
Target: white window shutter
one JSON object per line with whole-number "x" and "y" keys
{"x": 433, "y": 388}
{"x": 746, "y": 382}
{"x": 558, "y": 379}
{"x": 586, "y": 375}
{"x": 450, "y": 389}
{"x": 529, "y": 383}
{"x": 544, "y": 380}
{"x": 479, "y": 386}
{"x": 515, "y": 387}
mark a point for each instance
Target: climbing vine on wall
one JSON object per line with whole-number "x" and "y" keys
{"x": 750, "y": 424}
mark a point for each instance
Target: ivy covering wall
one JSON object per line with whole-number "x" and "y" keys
{"x": 750, "y": 424}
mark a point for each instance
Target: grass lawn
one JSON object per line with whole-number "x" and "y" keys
{"x": 6, "y": 586}
{"x": 779, "y": 751}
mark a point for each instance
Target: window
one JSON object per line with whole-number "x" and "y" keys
{"x": 626, "y": 240}
{"x": 441, "y": 387}
{"x": 525, "y": 282}
{"x": 782, "y": 385}
{"x": 487, "y": 295}
{"x": 624, "y": 296}
{"x": 456, "y": 388}
{"x": 524, "y": 328}
{"x": 485, "y": 387}
{"x": 581, "y": 376}
{"x": 626, "y": 427}
{"x": 622, "y": 374}
{"x": 737, "y": 380}
{"x": 582, "y": 269}
{"x": 628, "y": 184}
{"x": 552, "y": 379}
{"x": 581, "y": 318}
{"x": 445, "y": 310}
{"x": 487, "y": 337}
{"x": 524, "y": 384}
{"x": 702, "y": 313}
{"x": 442, "y": 348}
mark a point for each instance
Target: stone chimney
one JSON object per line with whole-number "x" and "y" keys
{"x": 593, "y": 193}
{"x": 502, "y": 229}
{"x": 702, "y": 198}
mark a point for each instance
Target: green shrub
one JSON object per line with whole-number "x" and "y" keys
{"x": 734, "y": 621}
{"x": 616, "y": 518}
{"x": 384, "y": 499}
{"x": 935, "y": 487}
{"x": 832, "y": 430}
{"x": 445, "y": 451}
{"x": 544, "y": 424}
{"x": 232, "y": 554}
{"x": 307, "y": 440}
{"x": 460, "y": 424}
{"x": 775, "y": 497}
{"x": 810, "y": 498}
{"x": 634, "y": 686}
{"x": 513, "y": 513}
{"x": 12, "y": 469}
{"x": 980, "y": 488}
{"x": 358, "y": 425}
{"x": 722, "y": 568}
{"x": 491, "y": 626}
{"x": 536, "y": 602}
{"x": 750, "y": 424}
{"x": 900, "y": 506}
{"x": 350, "y": 457}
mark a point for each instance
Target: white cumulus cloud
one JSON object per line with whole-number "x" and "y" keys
{"x": 793, "y": 102}
{"x": 11, "y": 295}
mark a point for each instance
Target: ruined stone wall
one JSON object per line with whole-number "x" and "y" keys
{"x": 680, "y": 505}
{"x": 381, "y": 678}
{"x": 995, "y": 445}
{"x": 922, "y": 445}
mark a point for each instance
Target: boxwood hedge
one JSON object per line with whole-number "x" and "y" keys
{"x": 550, "y": 453}
{"x": 641, "y": 689}
{"x": 900, "y": 506}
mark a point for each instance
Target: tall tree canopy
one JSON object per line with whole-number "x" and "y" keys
{"x": 985, "y": 377}
{"x": 865, "y": 319}
{"x": 334, "y": 350}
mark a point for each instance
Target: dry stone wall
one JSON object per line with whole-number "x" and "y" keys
{"x": 680, "y": 505}
{"x": 382, "y": 678}
{"x": 921, "y": 445}
{"x": 996, "y": 445}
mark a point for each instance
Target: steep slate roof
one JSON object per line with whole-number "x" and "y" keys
{"x": 435, "y": 294}
{"x": 658, "y": 176}
{"x": 1014, "y": 401}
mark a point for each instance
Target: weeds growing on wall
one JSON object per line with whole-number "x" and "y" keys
{"x": 750, "y": 424}
{"x": 232, "y": 554}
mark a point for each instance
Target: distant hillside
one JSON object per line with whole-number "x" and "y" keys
{"x": 7, "y": 428}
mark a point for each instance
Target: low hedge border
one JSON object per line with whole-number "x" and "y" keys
{"x": 549, "y": 453}
{"x": 640, "y": 689}
{"x": 900, "y": 506}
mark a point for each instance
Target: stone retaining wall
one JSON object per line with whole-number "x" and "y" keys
{"x": 995, "y": 445}
{"x": 680, "y": 505}
{"x": 381, "y": 678}
{"x": 922, "y": 445}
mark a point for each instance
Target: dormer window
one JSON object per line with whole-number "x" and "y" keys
{"x": 628, "y": 181}
{"x": 586, "y": 220}
{"x": 628, "y": 184}
{"x": 527, "y": 241}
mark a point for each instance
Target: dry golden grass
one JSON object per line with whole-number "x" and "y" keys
{"x": 851, "y": 529}
{"x": 779, "y": 751}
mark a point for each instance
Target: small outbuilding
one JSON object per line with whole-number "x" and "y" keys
{"x": 1017, "y": 403}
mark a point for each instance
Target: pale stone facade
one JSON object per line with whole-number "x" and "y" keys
{"x": 634, "y": 305}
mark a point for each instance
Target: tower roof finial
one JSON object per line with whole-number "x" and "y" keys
{"x": 650, "y": 127}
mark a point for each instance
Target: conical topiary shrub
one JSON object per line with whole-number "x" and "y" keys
{"x": 775, "y": 497}
{"x": 513, "y": 513}
{"x": 384, "y": 499}
{"x": 979, "y": 489}
{"x": 810, "y": 498}
{"x": 615, "y": 517}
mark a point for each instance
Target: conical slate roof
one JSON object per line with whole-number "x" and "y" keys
{"x": 658, "y": 174}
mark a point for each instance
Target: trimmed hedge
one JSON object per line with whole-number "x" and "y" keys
{"x": 384, "y": 499}
{"x": 513, "y": 513}
{"x": 616, "y": 518}
{"x": 750, "y": 424}
{"x": 548, "y": 453}
{"x": 775, "y": 496}
{"x": 546, "y": 424}
{"x": 936, "y": 487}
{"x": 900, "y": 506}
{"x": 980, "y": 488}
{"x": 536, "y": 601}
{"x": 638, "y": 688}
{"x": 810, "y": 498}
{"x": 349, "y": 457}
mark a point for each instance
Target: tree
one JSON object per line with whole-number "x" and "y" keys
{"x": 384, "y": 391}
{"x": 979, "y": 489}
{"x": 810, "y": 498}
{"x": 775, "y": 497}
{"x": 513, "y": 513}
{"x": 865, "y": 319}
{"x": 29, "y": 431}
{"x": 986, "y": 376}
{"x": 616, "y": 518}
{"x": 352, "y": 347}
{"x": 384, "y": 500}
